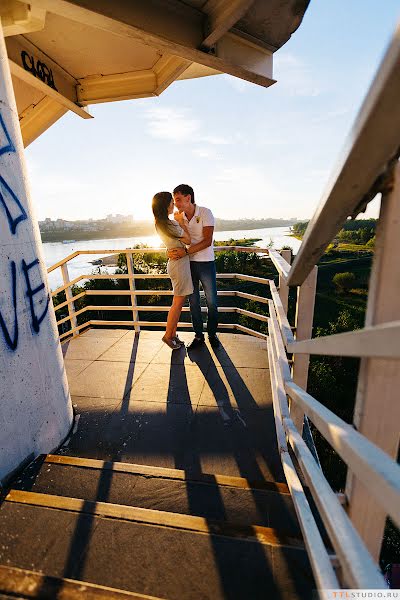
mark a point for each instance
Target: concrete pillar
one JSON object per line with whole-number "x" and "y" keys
{"x": 35, "y": 405}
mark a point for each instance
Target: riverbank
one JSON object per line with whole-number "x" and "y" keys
{"x": 146, "y": 229}
{"x": 57, "y": 251}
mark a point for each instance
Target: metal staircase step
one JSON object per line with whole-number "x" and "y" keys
{"x": 263, "y": 535}
{"x": 27, "y": 585}
{"x": 160, "y": 554}
{"x": 177, "y": 474}
{"x": 210, "y": 496}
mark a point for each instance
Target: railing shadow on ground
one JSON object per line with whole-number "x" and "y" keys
{"x": 84, "y": 527}
{"x": 239, "y": 436}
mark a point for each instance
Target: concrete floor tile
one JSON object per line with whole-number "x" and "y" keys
{"x": 133, "y": 349}
{"x": 98, "y": 332}
{"x": 244, "y": 388}
{"x": 75, "y": 366}
{"x": 144, "y": 334}
{"x": 241, "y": 352}
{"x": 93, "y": 404}
{"x": 200, "y": 357}
{"x": 104, "y": 379}
{"x": 244, "y": 444}
{"x": 87, "y": 348}
{"x": 159, "y": 434}
{"x": 176, "y": 383}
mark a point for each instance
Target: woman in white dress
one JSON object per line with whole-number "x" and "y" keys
{"x": 174, "y": 234}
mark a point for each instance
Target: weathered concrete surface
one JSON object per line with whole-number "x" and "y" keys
{"x": 35, "y": 406}
{"x": 206, "y": 411}
{"x": 211, "y": 500}
{"x": 165, "y": 562}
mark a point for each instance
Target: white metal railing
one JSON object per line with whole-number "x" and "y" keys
{"x": 355, "y": 521}
{"x": 378, "y": 472}
{"x": 134, "y": 308}
{"x": 360, "y": 173}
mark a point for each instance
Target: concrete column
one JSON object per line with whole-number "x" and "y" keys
{"x": 35, "y": 405}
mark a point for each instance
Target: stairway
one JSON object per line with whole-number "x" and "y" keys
{"x": 81, "y": 528}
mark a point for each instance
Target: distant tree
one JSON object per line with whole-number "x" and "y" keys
{"x": 344, "y": 281}
{"x": 298, "y": 229}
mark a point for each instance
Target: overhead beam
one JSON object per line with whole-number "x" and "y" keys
{"x": 30, "y": 79}
{"x": 37, "y": 118}
{"x": 19, "y": 18}
{"x": 222, "y": 15}
{"x": 136, "y": 84}
{"x": 172, "y": 27}
{"x": 167, "y": 70}
{"x": 121, "y": 86}
{"x": 373, "y": 141}
{"x": 38, "y": 70}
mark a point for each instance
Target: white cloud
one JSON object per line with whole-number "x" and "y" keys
{"x": 204, "y": 152}
{"x": 172, "y": 124}
{"x": 329, "y": 115}
{"x": 179, "y": 125}
{"x": 215, "y": 139}
{"x": 239, "y": 85}
{"x": 294, "y": 76}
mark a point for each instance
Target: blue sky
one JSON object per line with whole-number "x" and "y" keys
{"x": 246, "y": 150}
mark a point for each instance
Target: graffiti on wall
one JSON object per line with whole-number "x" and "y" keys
{"x": 38, "y": 69}
{"x": 20, "y": 271}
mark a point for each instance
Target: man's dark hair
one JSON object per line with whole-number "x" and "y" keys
{"x": 185, "y": 189}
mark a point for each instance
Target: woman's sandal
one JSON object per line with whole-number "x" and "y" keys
{"x": 172, "y": 343}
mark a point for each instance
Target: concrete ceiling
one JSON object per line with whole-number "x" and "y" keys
{"x": 67, "y": 54}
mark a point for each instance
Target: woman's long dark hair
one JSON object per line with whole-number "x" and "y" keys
{"x": 160, "y": 204}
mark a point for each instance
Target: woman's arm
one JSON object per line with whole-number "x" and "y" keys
{"x": 185, "y": 239}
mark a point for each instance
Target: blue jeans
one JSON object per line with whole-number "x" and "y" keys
{"x": 205, "y": 273}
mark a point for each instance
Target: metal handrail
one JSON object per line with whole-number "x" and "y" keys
{"x": 371, "y": 144}
{"x": 368, "y": 462}
{"x": 145, "y": 250}
{"x": 133, "y": 293}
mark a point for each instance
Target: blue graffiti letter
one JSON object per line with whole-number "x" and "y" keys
{"x": 32, "y": 292}
{"x": 11, "y": 343}
{"x": 7, "y": 196}
{"x": 6, "y": 144}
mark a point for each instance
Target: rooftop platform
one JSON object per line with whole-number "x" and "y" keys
{"x": 206, "y": 411}
{"x": 187, "y": 496}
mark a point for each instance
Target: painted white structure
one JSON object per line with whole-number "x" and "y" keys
{"x": 35, "y": 406}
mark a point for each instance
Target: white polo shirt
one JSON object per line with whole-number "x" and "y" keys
{"x": 202, "y": 217}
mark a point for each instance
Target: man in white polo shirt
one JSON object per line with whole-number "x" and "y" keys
{"x": 200, "y": 222}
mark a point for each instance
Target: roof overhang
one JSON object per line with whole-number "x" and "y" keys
{"x": 67, "y": 54}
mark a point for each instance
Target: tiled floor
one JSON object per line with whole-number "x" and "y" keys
{"x": 208, "y": 411}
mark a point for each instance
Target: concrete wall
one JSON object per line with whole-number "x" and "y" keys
{"x": 35, "y": 405}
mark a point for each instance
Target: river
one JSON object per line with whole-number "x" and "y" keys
{"x": 56, "y": 251}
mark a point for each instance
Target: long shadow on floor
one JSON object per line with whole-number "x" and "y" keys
{"x": 84, "y": 528}
{"x": 181, "y": 434}
{"x": 187, "y": 458}
{"x": 242, "y": 428}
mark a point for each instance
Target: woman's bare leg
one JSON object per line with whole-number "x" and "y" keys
{"x": 173, "y": 316}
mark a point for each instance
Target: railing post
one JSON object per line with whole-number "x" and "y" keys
{"x": 283, "y": 287}
{"x": 303, "y": 323}
{"x": 377, "y": 410}
{"x": 69, "y": 295}
{"x": 132, "y": 287}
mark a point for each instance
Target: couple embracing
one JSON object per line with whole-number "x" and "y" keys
{"x": 189, "y": 241}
